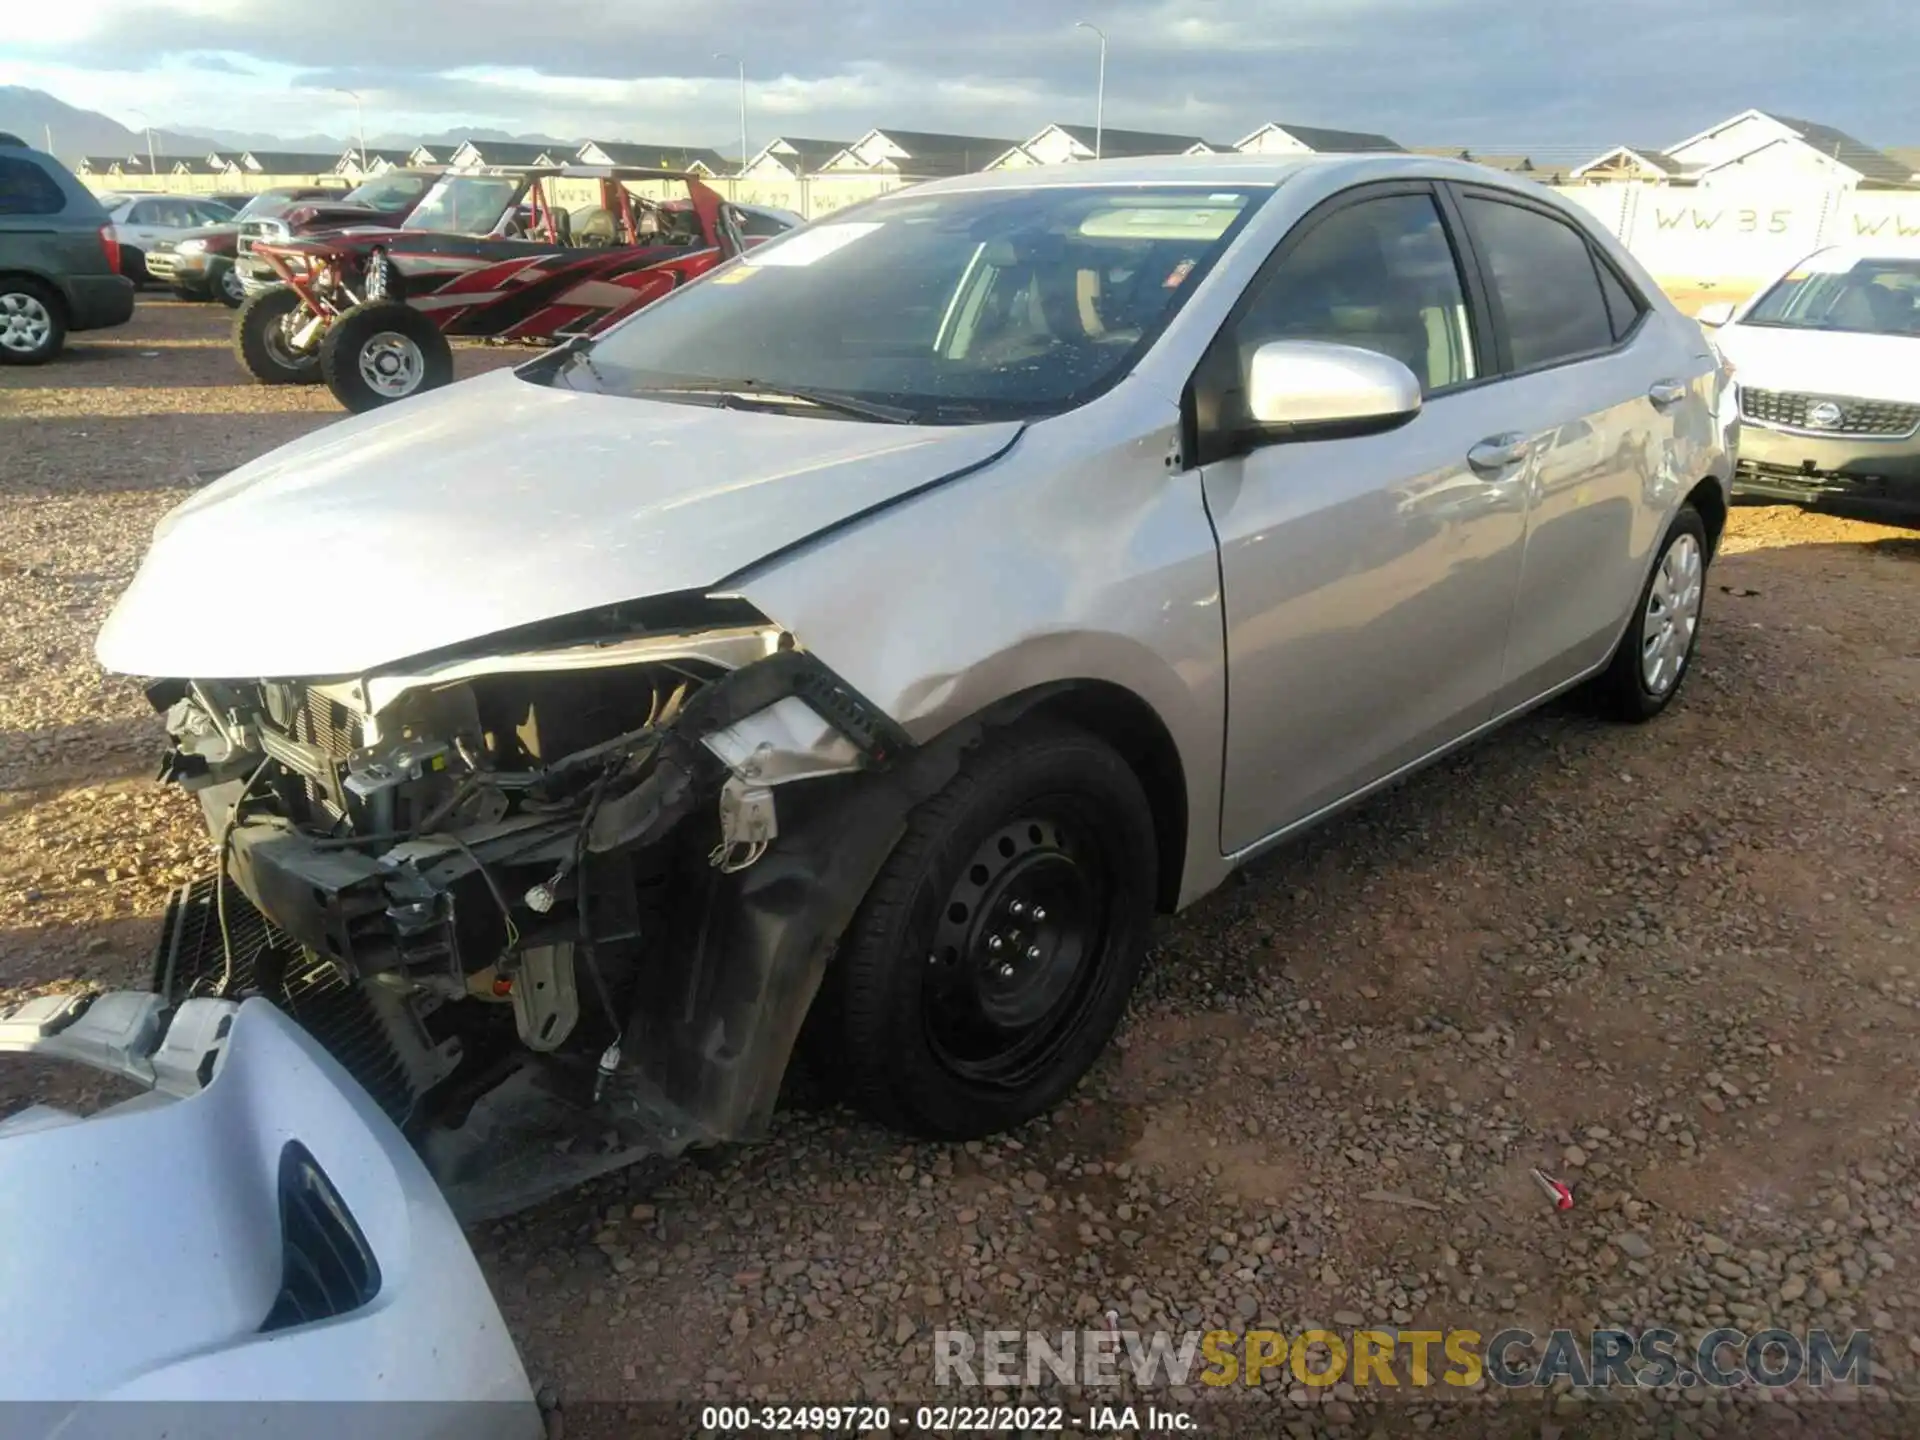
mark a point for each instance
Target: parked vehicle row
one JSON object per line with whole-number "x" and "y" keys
{"x": 199, "y": 263}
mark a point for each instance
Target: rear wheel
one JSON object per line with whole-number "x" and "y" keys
{"x": 263, "y": 336}
{"x": 32, "y": 323}
{"x": 1657, "y": 651}
{"x": 384, "y": 351}
{"x": 993, "y": 958}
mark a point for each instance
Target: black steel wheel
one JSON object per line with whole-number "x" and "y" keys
{"x": 263, "y": 334}
{"x": 993, "y": 957}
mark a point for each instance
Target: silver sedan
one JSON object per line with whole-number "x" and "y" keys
{"x": 870, "y": 636}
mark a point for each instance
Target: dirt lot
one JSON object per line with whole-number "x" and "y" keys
{"x": 1675, "y": 965}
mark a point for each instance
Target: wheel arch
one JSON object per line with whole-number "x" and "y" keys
{"x": 1709, "y": 497}
{"x": 1116, "y": 715}
{"x": 44, "y": 282}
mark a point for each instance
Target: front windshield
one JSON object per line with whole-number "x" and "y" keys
{"x": 966, "y": 306}
{"x": 387, "y": 192}
{"x": 263, "y": 207}
{"x": 1868, "y": 297}
{"x": 465, "y": 204}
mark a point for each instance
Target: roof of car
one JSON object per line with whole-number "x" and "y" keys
{"x": 1866, "y": 250}
{"x": 1230, "y": 169}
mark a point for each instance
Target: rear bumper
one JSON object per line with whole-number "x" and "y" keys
{"x": 95, "y": 302}
{"x": 1784, "y": 465}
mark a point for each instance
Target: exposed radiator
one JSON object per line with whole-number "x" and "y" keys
{"x": 323, "y": 1001}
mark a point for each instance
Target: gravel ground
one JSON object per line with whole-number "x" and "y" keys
{"x": 1674, "y": 965}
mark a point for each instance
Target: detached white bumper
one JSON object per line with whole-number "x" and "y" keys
{"x": 152, "y": 1242}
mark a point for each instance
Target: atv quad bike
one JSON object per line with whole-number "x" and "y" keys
{"x": 487, "y": 254}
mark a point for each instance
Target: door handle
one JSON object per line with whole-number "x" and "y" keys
{"x": 1498, "y": 453}
{"x": 1666, "y": 393}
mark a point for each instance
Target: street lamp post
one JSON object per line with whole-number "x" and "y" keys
{"x": 1100, "y": 96}
{"x": 721, "y": 55}
{"x": 147, "y": 120}
{"x": 359, "y": 126}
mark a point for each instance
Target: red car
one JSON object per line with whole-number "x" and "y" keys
{"x": 487, "y": 253}
{"x": 383, "y": 201}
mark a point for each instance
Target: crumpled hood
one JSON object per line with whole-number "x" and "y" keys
{"x": 492, "y": 504}
{"x": 1823, "y": 362}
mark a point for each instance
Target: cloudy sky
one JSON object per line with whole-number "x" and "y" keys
{"x": 1544, "y": 76}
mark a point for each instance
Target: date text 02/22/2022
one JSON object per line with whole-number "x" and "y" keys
{"x": 940, "y": 1419}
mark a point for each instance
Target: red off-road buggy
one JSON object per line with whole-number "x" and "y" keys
{"x": 487, "y": 254}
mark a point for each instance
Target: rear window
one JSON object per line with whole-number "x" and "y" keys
{"x": 26, "y": 189}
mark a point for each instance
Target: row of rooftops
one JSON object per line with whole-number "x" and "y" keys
{"x": 1753, "y": 143}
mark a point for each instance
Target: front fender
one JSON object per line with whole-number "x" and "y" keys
{"x": 1077, "y": 557}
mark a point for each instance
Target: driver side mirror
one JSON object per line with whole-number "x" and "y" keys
{"x": 1715, "y": 315}
{"x": 1312, "y": 390}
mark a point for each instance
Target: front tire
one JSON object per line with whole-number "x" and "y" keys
{"x": 993, "y": 958}
{"x": 33, "y": 325}
{"x": 227, "y": 288}
{"x": 1656, "y": 653}
{"x": 262, "y": 339}
{"x": 382, "y": 352}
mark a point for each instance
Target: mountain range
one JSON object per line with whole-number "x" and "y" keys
{"x": 33, "y": 115}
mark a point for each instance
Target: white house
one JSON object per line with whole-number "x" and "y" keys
{"x": 1756, "y": 145}
{"x": 1640, "y": 163}
{"x": 473, "y": 153}
{"x": 793, "y": 157}
{"x": 1063, "y": 144}
{"x": 922, "y": 153}
{"x": 286, "y": 162}
{"x": 1273, "y": 139}
{"x": 689, "y": 159}
{"x": 355, "y": 165}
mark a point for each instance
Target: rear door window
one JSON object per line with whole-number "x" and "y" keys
{"x": 26, "y": 189}
{"x": 1624, "y": 308}
{"x": 1546, "y": 288}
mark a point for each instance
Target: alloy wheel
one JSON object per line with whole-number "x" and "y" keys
{"x": 24, "y": 323}
{"x": 392, "y": 365}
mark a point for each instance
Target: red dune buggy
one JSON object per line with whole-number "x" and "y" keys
{"x": 487, "y": 254}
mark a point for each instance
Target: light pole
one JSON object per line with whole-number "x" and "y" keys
{"x": 147, "y": 120}
{"x": 1100, "y": 97}
{"x": 359, "y": 126}
{"x": 722, "y": 55}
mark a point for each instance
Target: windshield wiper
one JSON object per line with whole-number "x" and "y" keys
{"x": 758, "y": 394}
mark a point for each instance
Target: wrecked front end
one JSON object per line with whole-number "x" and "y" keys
{"x": 557, "y": 906}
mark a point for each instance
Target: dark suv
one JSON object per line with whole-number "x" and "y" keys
{"x": 59, "y": 262}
